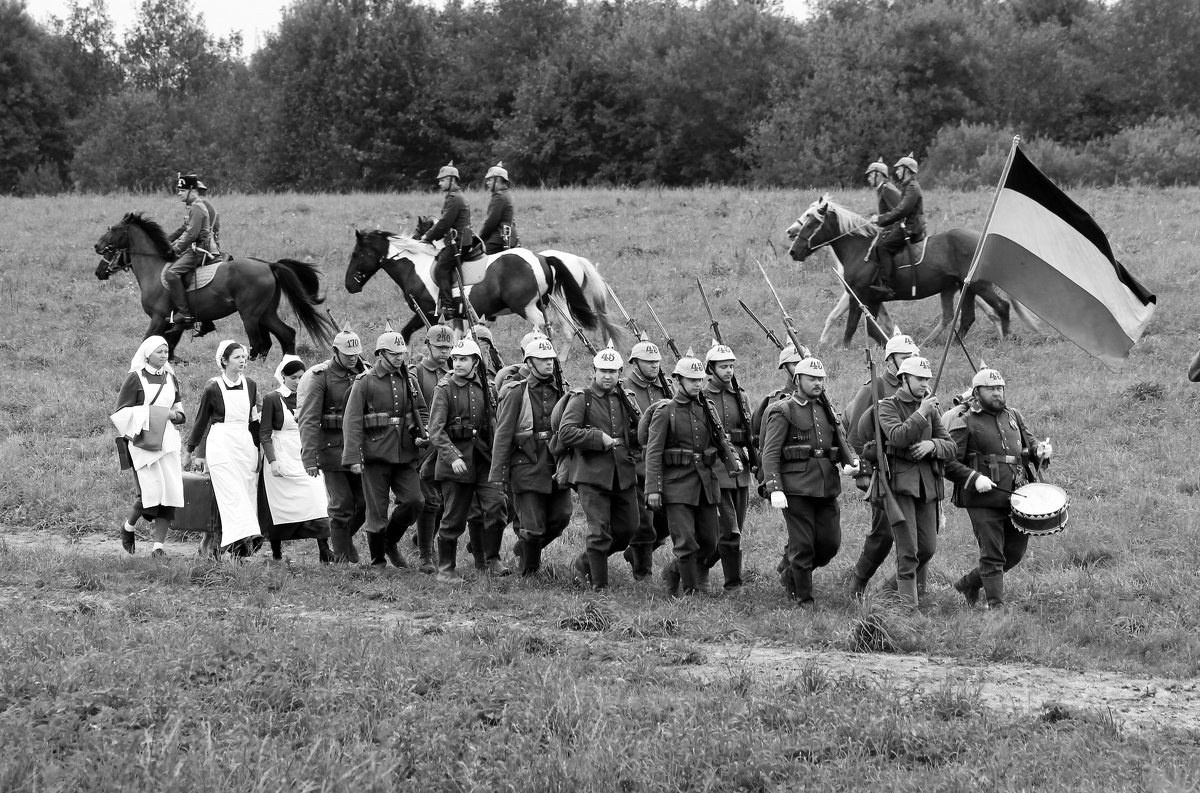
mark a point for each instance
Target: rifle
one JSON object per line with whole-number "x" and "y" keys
{"x": 743, "y": 408}
{"x": 640, "y": 334}
{"x": 733, "y": 463}
{"x": 880, "y": 489}
{"x": 418, "y": 431}
{"x": 489, "y": 398}
{"x": 631, "y": 409}
{"x": 770, "y": 333}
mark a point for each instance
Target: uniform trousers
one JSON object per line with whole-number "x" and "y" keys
{"x": 458, "y": 500}
{"x": 731, "y": 517}
{"x": 876, "y": 546}
{"x": 916, "y": 537}
{"x": 612, "y": 517}
{"x": 400, "y": 480}
{"x": 543, "y": 516}
{"x": 1001, "y": 545}
{"x": 347, "y": 510}
{"x": 814, "y": 528}
{"x": 694, "y": 529}
{"x": 652, "y": 533}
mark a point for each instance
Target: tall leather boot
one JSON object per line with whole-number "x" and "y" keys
{"x": 802, "y": 586}
{"x": 426, "y": 529}
{"x": 922, "y": 580}
{"x": 339, "y": 542}
{"x": 598, "y": 566}
{"x": 531, "y": 557}
{"x": 324, "y": 554}
{"x": 641, "y": 561}
{"x": 731, "y": 565}
{"x": 377, "y": 545}
{"x": 883, "y": 286}
{"x": 689, "y": 575}
{"x": 493, "y": 539}
{"x": 475, "y": 545}
{"x": 447, "y": 562}
{"x": 993, "y": 588}
{"x": 670, "y": 577}
{"x": 970, "y": 585}
{"x": 906, "y": 588}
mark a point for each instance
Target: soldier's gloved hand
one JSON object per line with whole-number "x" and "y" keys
{"x": 654, "y": 501}
{"x": 779, "y": 500}
{"x": 356, "y": 468}
{"x": 607, "y": 440}
{"x": 1044, "y": 450}
{"x": 459, "y": 466}
{"x": 983, "y": 484}
{"x": 852, "y": 469}
{"x": 735, "y": 469}
{"x": 313, "y": 471}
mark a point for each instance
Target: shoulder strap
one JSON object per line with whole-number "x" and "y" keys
{"x": 146, "y": 386}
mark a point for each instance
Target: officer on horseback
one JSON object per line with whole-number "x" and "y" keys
{"x": 498, "y": 232}
{"x": 456, "y": 218}
{"x": 903, "y": 224}
{"x": 192, "y": 243}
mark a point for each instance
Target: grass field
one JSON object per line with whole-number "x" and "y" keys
{"x": 125, "y": 674}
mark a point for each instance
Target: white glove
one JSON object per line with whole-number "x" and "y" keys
{"x": 851, "y": 469}
{"x": 1044, "y": 450}
{"x": 779, "y": 499}
{"x": 983, "y": 484}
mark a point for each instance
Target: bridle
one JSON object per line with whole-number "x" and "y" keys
{"x": 817, "y": 227}
{"x": 115, "y": 259}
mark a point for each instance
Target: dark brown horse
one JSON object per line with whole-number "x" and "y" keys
{"x": 941, "y": 270}
{"x": 251, "y": 287}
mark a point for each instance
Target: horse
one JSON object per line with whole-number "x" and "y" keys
{"x": 941, "y": 270}
{"x": 251, "y": 287}
{"x": 517, "y": 281}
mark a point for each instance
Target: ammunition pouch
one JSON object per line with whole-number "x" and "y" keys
{"x": 374, "y": 421}
{"x": 687, "y": 457}
{"x": 804, "y": 452}
{"x": 738, "y": 436}
{"x": 460, "y": 430}
{"x": 331, "y": 421}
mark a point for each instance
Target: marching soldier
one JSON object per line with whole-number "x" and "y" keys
{"x": 384, "y": 428}
{"x": 859, "y": 418}
{"x": 460, "y": 427}
{"x": 992, "y": 451}
{"x": 519, "y": 369}
{"x": 802, "y": 444}
{"x": 647, "y": 387}
{"x": 903, "y": 224}
{"x": 598, "y": 430}
{"x": 719, "y": 365}
{"x": 917, "y": 445}
{"x": 788, "y": 358}
{"x": 521, "y": 458}
{"x": 191, "y": 242}
{"x": 685, "y": 441}
{"x": 456, "y": 217}
{"x": 498, "y": 232}
{"x": 320, "y": 414}
{"x": 430, "y": 369}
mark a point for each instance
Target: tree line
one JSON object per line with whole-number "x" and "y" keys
{"x": 376, "y": 94}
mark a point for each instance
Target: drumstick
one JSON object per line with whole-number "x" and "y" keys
{"x": 1010, "y": 492}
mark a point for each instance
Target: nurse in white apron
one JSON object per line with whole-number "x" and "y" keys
{"x": 294, "y": 501}
{"x": 227, "y": 409}
{"x": 158, "y": 474}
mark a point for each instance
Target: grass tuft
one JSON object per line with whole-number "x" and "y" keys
{"x": 595, "y": 615}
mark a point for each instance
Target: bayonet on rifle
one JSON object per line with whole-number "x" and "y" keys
{"x": 670, "y": 342}
{"x": 743, "y": 408}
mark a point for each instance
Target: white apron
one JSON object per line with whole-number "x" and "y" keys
{"x": 294, "y": 497}
{"x": 159, "y": 474}
{"x": 232, "y": 460}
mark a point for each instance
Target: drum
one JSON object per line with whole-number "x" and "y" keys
{"x": 199, "y": 512}
{"x": 1039, "y": 509}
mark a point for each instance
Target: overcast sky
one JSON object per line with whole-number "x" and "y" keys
{"x": 254, "y": 18}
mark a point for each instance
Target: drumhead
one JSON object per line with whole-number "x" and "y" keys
{"x": 1038, "y": 499}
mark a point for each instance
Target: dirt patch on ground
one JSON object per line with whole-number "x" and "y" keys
{"x": 1131, "y": 702}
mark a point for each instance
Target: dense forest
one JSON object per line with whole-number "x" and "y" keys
{"x": 375, "y": 94}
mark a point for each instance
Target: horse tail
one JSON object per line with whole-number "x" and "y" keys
{"x": 588, "y": 300}
{"x": 300, "y": 282}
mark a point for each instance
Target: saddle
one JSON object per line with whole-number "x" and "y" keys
{"x": 198, "y": 278}
{"x": 912, "y": 255}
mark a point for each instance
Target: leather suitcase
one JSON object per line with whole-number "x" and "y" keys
{"x": 199, "y": 512}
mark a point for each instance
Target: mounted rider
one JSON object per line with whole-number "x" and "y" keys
{"x": 498, "y": 232}
{"x": 903, "y": 224}
{"x": 456, "y": 218}
{"x": 887, "y": 193}
{"x": 193, "y": 243}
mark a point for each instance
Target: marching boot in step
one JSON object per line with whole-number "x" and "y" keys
{"x": 598, "y": 565}
{"x": 993, "y": 587}
{"x": 907, "y": 590}
{"x": 377, "y": 545}
{"x": 581, "y": 570}
{"x": 493, "y": 540}
{"x": 426, "y": 531}
{"x": 970, "y": 586}
{"x": 922, "y": 580}
{"x": 689, "y": 575}
{"x": 475, "y": 545}
{"x": 670, "y": 577}
{"x": 801, "y": 586}
{"x": 324, "y": 554}
{"x": 731, "y": 566}
{"x": 447, "y": 562}
{"x": 339, "y": 543}
{"x": 531, "y": 557}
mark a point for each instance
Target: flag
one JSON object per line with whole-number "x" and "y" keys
{"x": 1049, "y": 254}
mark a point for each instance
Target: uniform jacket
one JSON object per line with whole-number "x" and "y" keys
{"x": 428, "y": 376}
{"x": 885, "y": 385}
{"x": 910, "y": 211}
{"x": 584, "y": 421}
{"x": 513, "y": 371}
{"x": 380, "y": 391}
{"x": 889, "y": 196}
{"x": 902, "y": 427}
{"x": 520, "y": 453}
{"x": 322, "y": 392}
{"x": 460, "y": 409}
{"x": 977, "y": 433}
{"x": 645, "y": 393}
{"x": 729, "y": 413}
{"x": 681, "y": 427}
{"x": 756, "y": 418}
{"x": 196, "y": 228}
{"x": 455, "y": 215}
{"x": 801, "y": 448}
{"x": 500, "y": 214}
{"x": 214, "y": 222}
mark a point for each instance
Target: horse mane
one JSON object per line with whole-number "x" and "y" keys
{"x": 850, "y": 222}
{"x": 155, "y": 232}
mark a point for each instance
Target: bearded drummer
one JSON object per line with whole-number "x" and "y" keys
{"x": 996, "y": 453}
